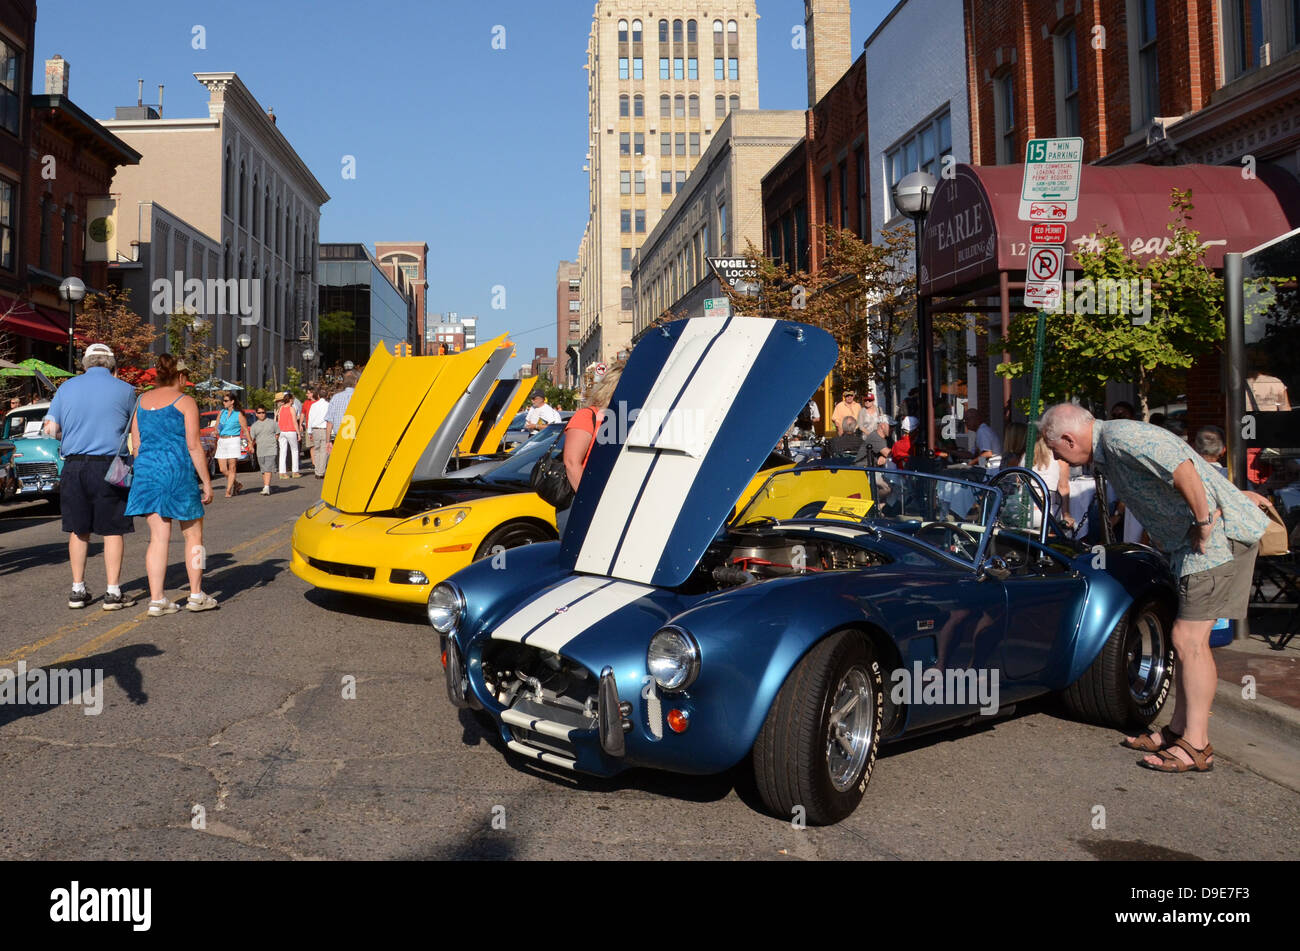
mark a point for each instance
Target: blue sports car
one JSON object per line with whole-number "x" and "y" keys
{"x": 840, "y": 607}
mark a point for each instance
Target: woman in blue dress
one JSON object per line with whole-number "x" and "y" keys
{"x": 171, "y": 481}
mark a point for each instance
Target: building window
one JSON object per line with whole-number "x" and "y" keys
{"x": 1004, "y": 116}
{"x": 624, "y": 107}
{"x": 638, "y": 143}
{"x": 47, "y": 206}
{"x": 679, "y": 107}
{"x": 724, "y": 237}
{"x": 1147, "y": 71}
{"x": 801, "y": 236}
{"x": 243, "y": 195}
{"x": 733, "y": 68}
{"x": 1067, "y": 83}
{"x": 575, "y": 286}
{"x": 625, "y": 183}
{"x": 681, "y": 180}
{"x": 665, "y": 143}
{"x": 665, "y": 183}
{"x": 636, "y": 31}
{"x": 692, "y": 68}
{"x": 229, "y": 184}
{"x": 665, "y": 107}
{"x": 69, "y": 230}
{"x": 733, "y": 103}
{"x": 677, "y": 31}
{"x": 733, "y": 31}
{"x": 922, "y": 149}
{"x": 844, "y": 194}
{"x": 638, "y": 67}
{"x": 717, "y": 31}
{"x": 693, "y": 109}
{"x": 719, "y": 106}
{"x": 640, "y": 183}
{"x": 828, "y": 208}
{"x": 625, "y": 301}
{"x": 627, "y": 259}
{"x": 692, "y": 31}
{"x": 625, "y": 221}
{"x": 574, "y": 306}
{"x": 719, "y": 69}
{"x": 622, "y": 31}
{"x": 695, "y": 143}
{"x": 1250, "y": 26}
{"x": 638, "y": 107}
{"x": 663, "y": 31}
{"x": 623, "y": 72}
{"x": 625, "y": 143}
{"x": 679, "y": 68}
{"x": 863, "y": 223}
{"x": 681, "y": 143}
{"x": 640, "y": 221}
{"x": 11, "y": 74}
{"x": 266, "y": 215}
{"x": 663, "y": 68}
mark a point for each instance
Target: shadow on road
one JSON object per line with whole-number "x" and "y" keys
{"x": 35, "y": 556}
{"x": 372, "y": 609}
{"x": 118, "y": 665}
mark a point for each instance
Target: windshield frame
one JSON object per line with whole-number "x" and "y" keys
{"x": 991, "y": 501}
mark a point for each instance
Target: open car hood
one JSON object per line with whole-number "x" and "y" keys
{"x": 713, "y": 395}
{"x": 404, "y": 420}
{"x": 485, "y": 432}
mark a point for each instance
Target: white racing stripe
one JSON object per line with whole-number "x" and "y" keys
{"x": 705, "y": 402}
{"x": 554, "y": 634}
{"x": 543, "y": 607}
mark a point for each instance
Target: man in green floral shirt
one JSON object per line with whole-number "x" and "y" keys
{"x": 1210, "y": 531}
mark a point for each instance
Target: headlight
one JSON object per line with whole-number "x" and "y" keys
{"x": 673, "y": 659}
{"x": 438, "y": 520}
{"x": 446, "y": 607}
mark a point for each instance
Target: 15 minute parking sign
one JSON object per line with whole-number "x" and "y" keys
{"x": 1051, "y": 184}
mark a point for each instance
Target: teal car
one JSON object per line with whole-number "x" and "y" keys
{"x": 36, "y": 463}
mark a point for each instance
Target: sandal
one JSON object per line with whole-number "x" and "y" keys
{"x": 1145, "y": 743}
{"x": 1170, "y": 763}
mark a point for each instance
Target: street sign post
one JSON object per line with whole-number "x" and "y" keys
{"x": 717, "y": 307}
{"x": 1050, "y": 190}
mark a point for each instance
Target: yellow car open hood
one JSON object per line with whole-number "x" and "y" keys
{"x": 403, "y": 422}
{"x": 487, "y": 430}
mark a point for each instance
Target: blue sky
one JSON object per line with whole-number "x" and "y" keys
{"x": 478, "y": 152}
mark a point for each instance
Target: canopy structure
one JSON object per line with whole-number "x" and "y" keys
{"x": 31, "y": 367}
{"x": 212, "y": 386}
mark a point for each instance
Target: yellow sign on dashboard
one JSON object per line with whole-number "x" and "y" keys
{"x": 849, "y": 510}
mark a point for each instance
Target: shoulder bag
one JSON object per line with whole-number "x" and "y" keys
{"x": 121, "y": 469}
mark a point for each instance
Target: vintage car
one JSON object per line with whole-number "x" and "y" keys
{"x": 390, "y": 523}
{"x": 839, "y": 608}
{"x": 35, "y": 460}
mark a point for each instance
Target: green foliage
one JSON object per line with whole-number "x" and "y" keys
{"x": 189, "y": 338}
{"x": 558, "y": 396}
{"x": 1086, "y": 350}
{"x": 259, "y": 398}
{"x": 294, "y": 385}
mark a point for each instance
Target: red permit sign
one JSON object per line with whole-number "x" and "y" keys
{"x": 1045, "y": 233}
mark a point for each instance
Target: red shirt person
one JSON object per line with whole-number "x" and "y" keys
{"x": 903, "y": 448}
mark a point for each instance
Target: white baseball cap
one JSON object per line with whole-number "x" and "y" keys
{"x": 911, "y": 423}
{"x": 99, "y": 350}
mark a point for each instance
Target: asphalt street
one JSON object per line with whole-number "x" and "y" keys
{"x": 232, "y": 734}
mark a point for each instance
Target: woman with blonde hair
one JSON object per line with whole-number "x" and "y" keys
{"x": 580, "y": 433}
{"x": 170, "y": 482}
{"x": 1057, "y": 476}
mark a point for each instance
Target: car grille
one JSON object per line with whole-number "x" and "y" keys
{"x": 346, "y": 571}
{"x": 47, "y": 470}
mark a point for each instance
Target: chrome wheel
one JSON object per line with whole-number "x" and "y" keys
{"x": 850, "y": 724}
{"x": 1146, "y": 657}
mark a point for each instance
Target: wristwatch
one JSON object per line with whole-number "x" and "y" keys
{"x": 1209, "y": 520}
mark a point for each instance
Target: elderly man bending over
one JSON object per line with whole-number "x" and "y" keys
{"x": 1209, "y": 529}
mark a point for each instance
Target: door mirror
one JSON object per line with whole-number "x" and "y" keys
{"x": 994, "y": 567}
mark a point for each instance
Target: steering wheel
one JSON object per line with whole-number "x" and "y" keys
{"x": 955, "y": 540}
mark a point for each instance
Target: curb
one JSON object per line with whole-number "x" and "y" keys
{"x": 1275, "y": 714}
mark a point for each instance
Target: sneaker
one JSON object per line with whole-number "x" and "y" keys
{"x": 201, "y": 602}
{"x": 266, "y": 490}
{"x": 297, "y": 475}
{"x": 115, "y": 602}
{"x": 159, "y": 608}
{"x": 79, "y": 599}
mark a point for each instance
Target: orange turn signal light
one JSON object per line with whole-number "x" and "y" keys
{"x": 678, "y": 720}
{"x": 464, "y": 547}
{"x": 444, "y": 659}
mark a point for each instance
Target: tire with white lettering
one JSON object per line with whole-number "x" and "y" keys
{"x": 814, "y": 755}
{"x": 1130, "y": 680}
{"x": 512, "y": 535}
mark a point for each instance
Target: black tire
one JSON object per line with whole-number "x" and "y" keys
{"x": 512, "y": 535}
{"x": 1120, "y": 689}
{"x": 792, "y": 763}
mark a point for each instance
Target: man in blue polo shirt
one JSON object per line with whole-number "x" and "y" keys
{"x": 90, "y": 413}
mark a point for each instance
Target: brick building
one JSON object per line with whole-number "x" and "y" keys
{"x": 1161, "y": 82}
{"x": 411, "y": 258}
{"x": 17, "y": 39}
{"x": 568, "y": 330}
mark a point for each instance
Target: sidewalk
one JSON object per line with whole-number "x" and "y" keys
{"x": 1276, "y": 674}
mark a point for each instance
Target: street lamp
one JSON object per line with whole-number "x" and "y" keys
{"x": 912, "y": 196}
{"x": 244, "y": 341}
{"x": 72, "y": 290}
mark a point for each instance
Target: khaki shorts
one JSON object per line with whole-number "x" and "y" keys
{"x": 1222, "y": 591}
{"x": 318, "y": 440}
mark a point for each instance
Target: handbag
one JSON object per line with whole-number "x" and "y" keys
{"x": 1274, "y": 540}
{"x": 120, "y": 471}
{"x": 550, "y": 480}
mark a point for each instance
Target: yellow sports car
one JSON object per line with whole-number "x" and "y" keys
{"x": 392, "y": 520}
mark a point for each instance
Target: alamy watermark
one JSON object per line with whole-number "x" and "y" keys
{"x": 1105, "y": 296}
{"x": 234, "y": 296}
{"x": 951, "y": 687}
{"x": 54, "y": 687}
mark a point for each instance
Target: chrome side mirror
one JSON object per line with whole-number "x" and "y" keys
{"x": 994, "y": 567}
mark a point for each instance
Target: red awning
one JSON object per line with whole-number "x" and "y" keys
{"x": 39, "y": 323}
{"x": 973, "y": 231}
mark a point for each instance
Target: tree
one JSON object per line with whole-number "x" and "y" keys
{"x": 108, "y": 318}
{"x": 558, "y": 396}
{"x": 334, "y": 327}
{"x": 1180, "y": 317}
{"x": 189, "y": 339}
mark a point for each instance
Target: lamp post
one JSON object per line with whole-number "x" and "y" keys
{"x": 912, "y": 196}
{"x": 244, "y": 341}
{"x": 72, "y": 290}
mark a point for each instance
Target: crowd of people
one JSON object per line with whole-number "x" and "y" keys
{"x": 101, "y": 421}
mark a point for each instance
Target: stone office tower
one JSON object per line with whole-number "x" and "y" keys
{"x": 661, "y": 78}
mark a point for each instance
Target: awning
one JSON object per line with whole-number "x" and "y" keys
{"x": 973, "y": 231}
{"x": 37, "y": 323}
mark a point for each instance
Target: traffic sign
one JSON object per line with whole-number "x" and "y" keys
{"x": 1046, "y": 263}
{"x": 600, "y": 369}
{"x": 1043, "y": 295}
{"x": 1050, "y": 188}
{"x": 717, "y": 307}
{"x": 1043, "y": 233}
